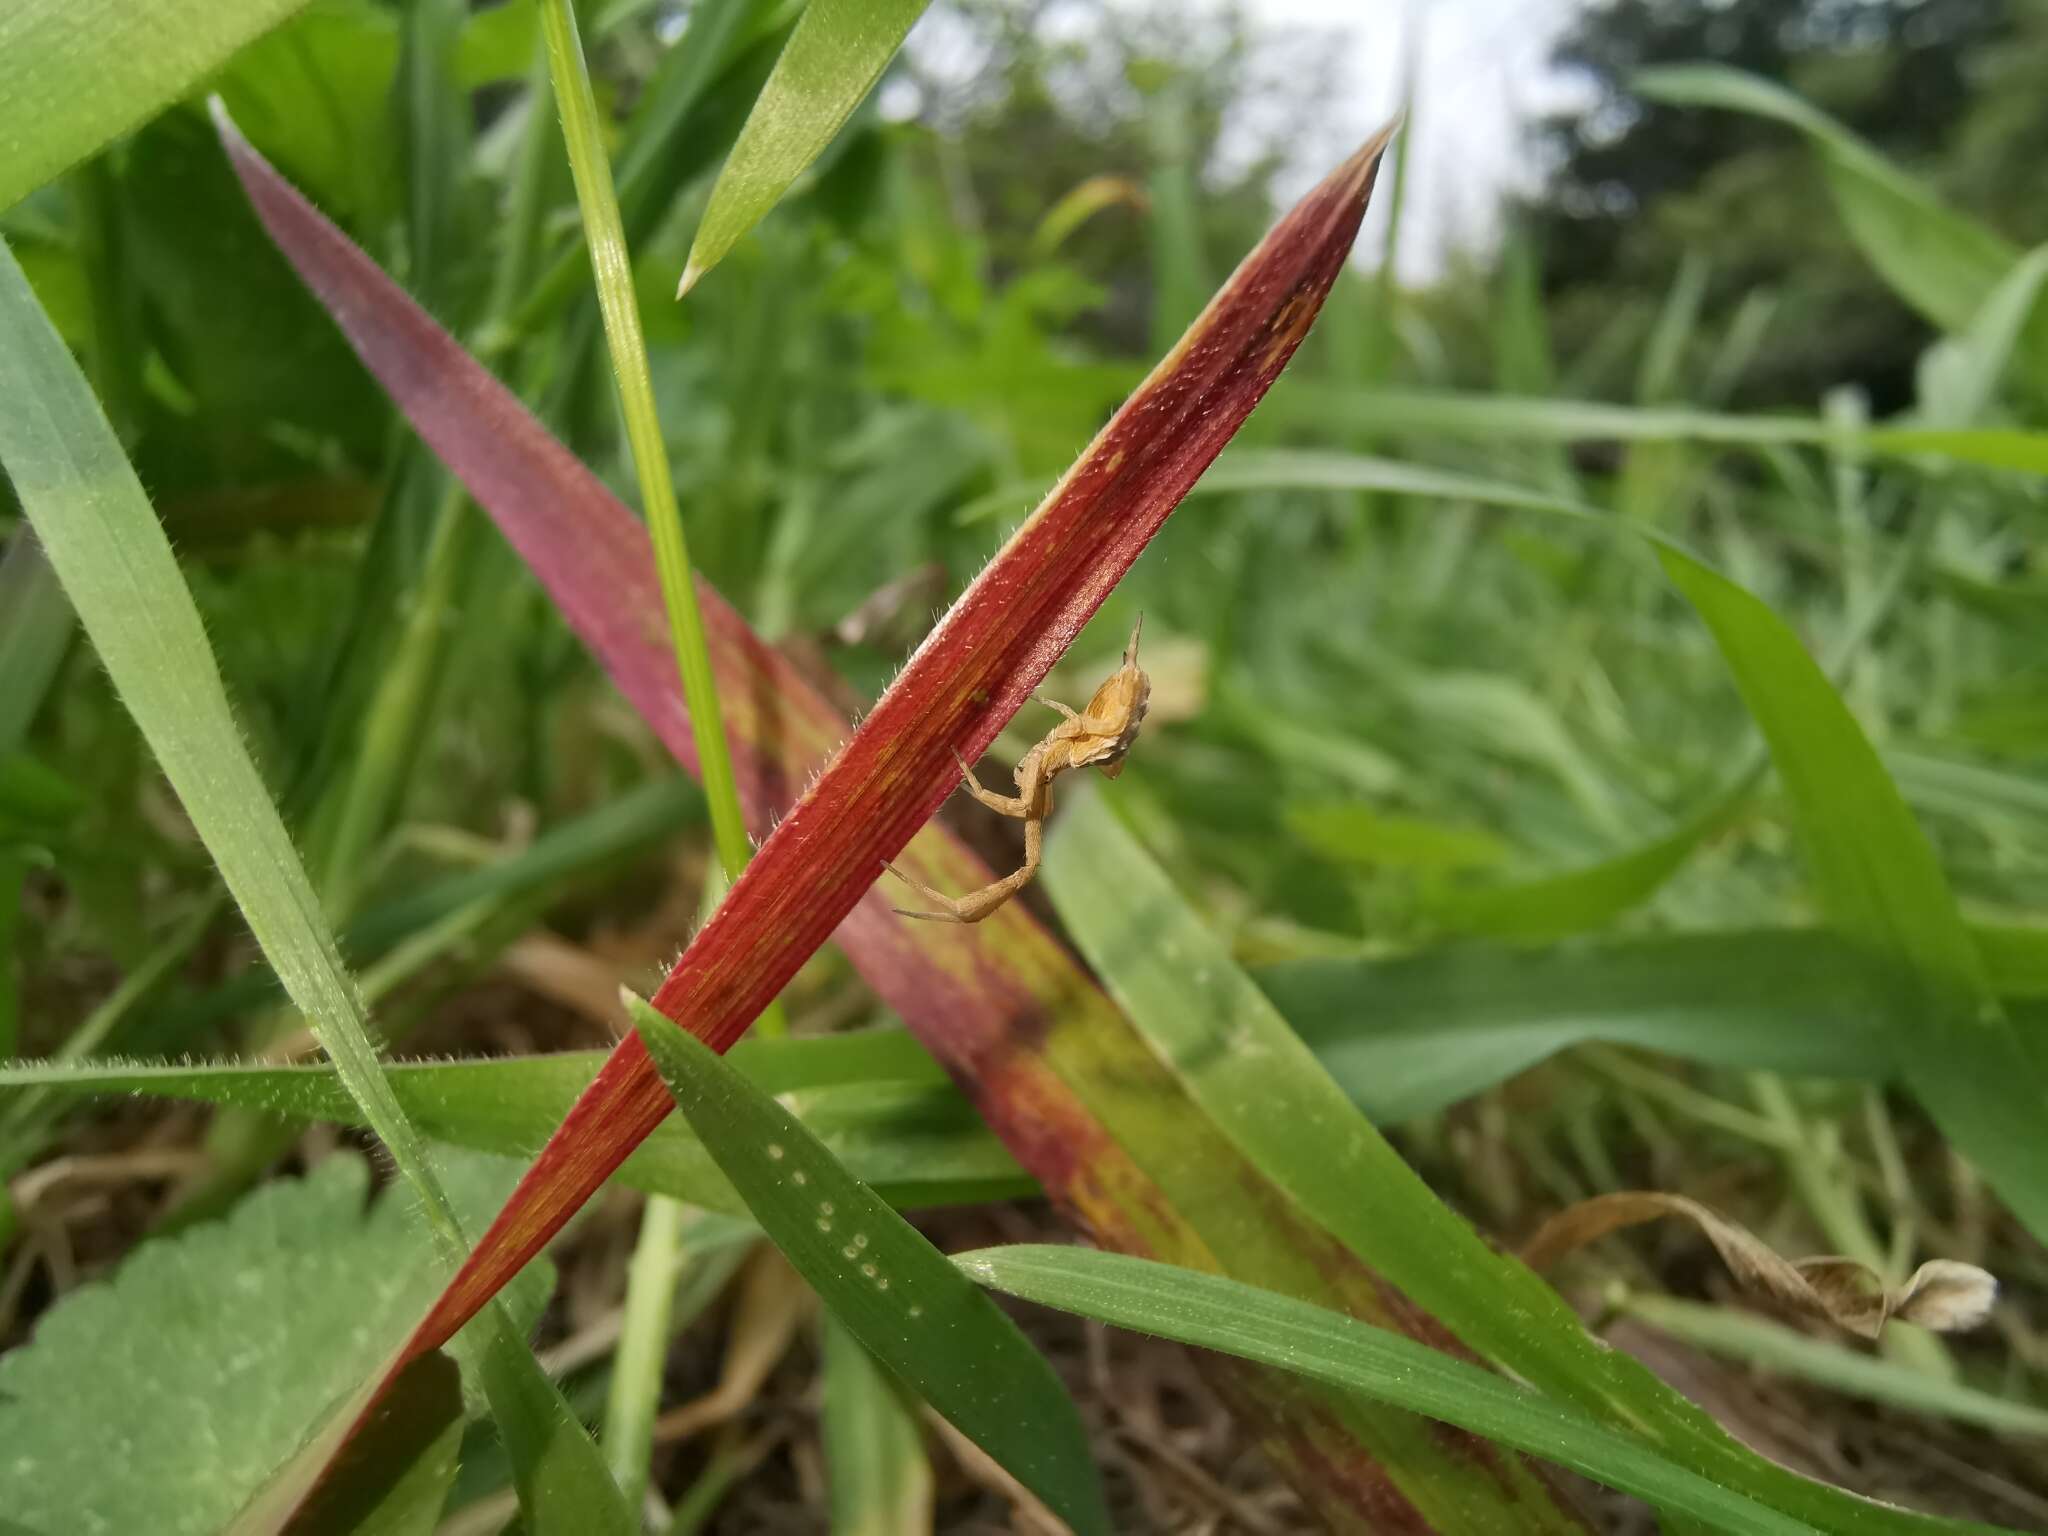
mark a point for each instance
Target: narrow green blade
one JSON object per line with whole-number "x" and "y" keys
{"x": 895, "y": 1293}
{"x": 76, "y": 73}
{"x": 1940, "y": 262}
{"x": 833, "y": 59}
{"x": 1877, "y": 878}
{"x": 107, "y": 547}
{"x": 1220, "y": 1314}
{"x": 881, "y": 1483}
{"x": 391, "y": 1480}
{"x": 1239, "y": 1060}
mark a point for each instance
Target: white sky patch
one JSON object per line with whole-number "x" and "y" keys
{"x": 1482, "y": 73}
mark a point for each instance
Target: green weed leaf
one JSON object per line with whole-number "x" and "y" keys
{"x": 161, "y": 1399}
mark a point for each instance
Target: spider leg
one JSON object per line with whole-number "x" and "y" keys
{"x": 976, "y": 905}
{"x": 1004, "y": 805}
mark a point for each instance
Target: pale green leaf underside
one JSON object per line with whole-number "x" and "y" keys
{"x": 162, "y": 1399}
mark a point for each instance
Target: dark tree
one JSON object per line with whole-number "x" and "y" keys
{"x": 1633, "y": 186}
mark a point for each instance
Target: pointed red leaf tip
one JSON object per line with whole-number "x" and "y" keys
{"x": 972, "y": 673}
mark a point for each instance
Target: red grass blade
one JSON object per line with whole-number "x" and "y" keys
{"x": 974, "y": 671}
{"x": 1026, "y": 1031}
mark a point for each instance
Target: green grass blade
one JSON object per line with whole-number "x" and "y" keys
{"x": 103, "y": 540}
{"x": 583, "y": 132}
{"x": 895, "y": 1293}
{"x": 881, "y": 1105}
{"x": 1413, "y": 1035}
{"x": 1239, "y": 1061}
{"x": 1943, "y": 264}
{"x": 880, "y": 1480}
{"x": 1578, "y": 900}
{"x": 1221, "y": 1314}
{"x": 640, "y": 1363}
{"x": 1960, "y": 377}
{"x": 1876, "y": 874}
{"x": 833, "y": 59}
{"x": 1269, "y": 469}
{"x": 1181, "y": 283}
{"x": 1877, "y": 878}
{"x": 1758, "y": 1341}
{"x": 1990, "y": 447}
{"x": 35, "y": 631}
{"x": 1518, "y": 418}
{"x": 77, "y": 73}
{"x": 389, "y": 1481}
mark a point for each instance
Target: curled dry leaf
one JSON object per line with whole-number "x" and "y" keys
{"x": 1942, "y": 1294}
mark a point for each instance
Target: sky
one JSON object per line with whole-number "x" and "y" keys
{"x": 1481, "y": 71}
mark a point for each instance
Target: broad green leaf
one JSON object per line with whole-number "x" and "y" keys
{"x": 391, "y": 1480}
{"x": 1226, "y": 1315}
{"x": 1410, "y": 1036}
{"x": 832, "y": 61}
{"x": 880, "y": 1480}
{"x": 1943, "y": 264}
{"x": 161, "y": 1399}
{"x": 1238, "y": 1060}
{"x": 894, "y": 1292}
{"x": 1758, "y": 1341}
{"x": 104, "y": 541}
{"x": 77, "y": 73}
{"x": 1876, "y": 877}
{"x": 877, "y": 1101}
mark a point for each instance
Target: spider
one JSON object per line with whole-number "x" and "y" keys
{"x": 1100, "y": 736}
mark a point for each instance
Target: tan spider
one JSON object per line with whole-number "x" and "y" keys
{"x": 1098, "y": 737}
